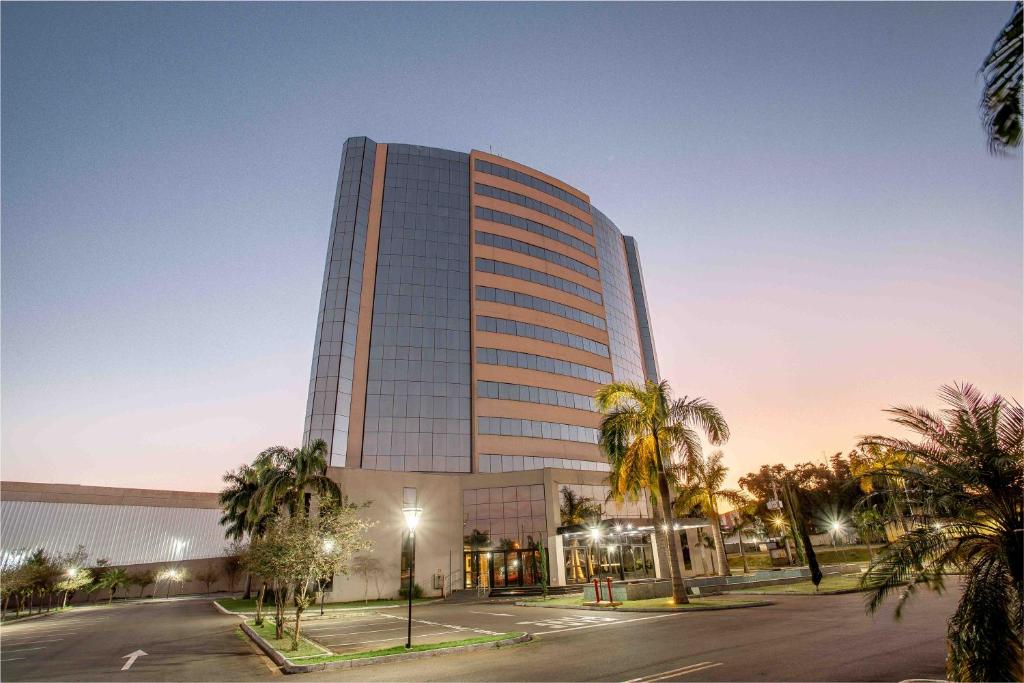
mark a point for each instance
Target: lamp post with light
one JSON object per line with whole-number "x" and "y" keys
{"x": 412, "y": 518}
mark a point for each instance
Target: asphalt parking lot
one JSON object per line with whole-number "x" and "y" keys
{"x": 800, "y": 638}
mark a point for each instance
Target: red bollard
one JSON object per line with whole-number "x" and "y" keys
{"x": 597, "y": 591}
{"x": 610, "y": 597}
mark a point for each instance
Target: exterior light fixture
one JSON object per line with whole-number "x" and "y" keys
{"x": 412, "y": 519}
{"x": 328, "y": 545}
{"x": 665, "y": 527}
{"x": 72, "y": 572}
{"x": 595, "y": 533}
{"x": 618, "y": 528}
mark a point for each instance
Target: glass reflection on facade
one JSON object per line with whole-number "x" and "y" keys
{"x": 620, "y": 314}
{"x": 418, "y": 383}
{"x": 329, "y": 400}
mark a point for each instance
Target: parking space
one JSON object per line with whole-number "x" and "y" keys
{"x": 37, "y": 639}
{"x": 374, "y": 630}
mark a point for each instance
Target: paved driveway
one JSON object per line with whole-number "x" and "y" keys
{"x": 184, "y": 641}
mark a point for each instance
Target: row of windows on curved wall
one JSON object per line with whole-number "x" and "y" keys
{"x": 530, "y": 203}
{"x": 420, "y": 324}
{"x": 623, "y": 335}
{"x": 530, "y": 181}
{"x": 330, "y": 390}
{"x": 539, "y": 332}
{"x": 536, "y": 303}
{"x": 491, "y": 240}
{"x": 529, "y": 394}
{"x": 529, "y": 361}
{"x": 536, "y": 429}
{"x": 517, "y": 463}
{"x": 536, "y": 228}
{"x": 486, "y": 265}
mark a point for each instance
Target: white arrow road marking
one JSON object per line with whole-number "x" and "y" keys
{"x": 131, "y": 659}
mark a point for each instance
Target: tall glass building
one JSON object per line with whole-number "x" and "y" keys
{"x": 471, "y": 307}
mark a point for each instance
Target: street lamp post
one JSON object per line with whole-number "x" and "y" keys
{"x": 412, "y": 518}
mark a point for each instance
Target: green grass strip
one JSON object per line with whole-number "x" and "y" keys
{"x": 841, "y": 582}
{"x": 401, "y": 649}
{"x": 268, "y": 632}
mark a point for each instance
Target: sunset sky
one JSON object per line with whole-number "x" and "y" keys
{"x": 824, "y": 232}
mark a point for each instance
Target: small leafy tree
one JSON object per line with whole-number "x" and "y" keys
{"x": 72, "y": 574}
{"x": 142, "y": 579}
{"x": 323, "y": 546}
{"x": 209, "y": 576}
{"x": 368, "y": 567}
{"x": 234, "y": 562}
{"x": 13, "y": 579}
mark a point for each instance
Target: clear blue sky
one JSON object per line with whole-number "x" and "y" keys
{"x": 824, "y": 232}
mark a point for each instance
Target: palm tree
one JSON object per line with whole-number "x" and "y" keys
{"x": 114, "y": 579}
{"x": 746, "y": 521}
{"x": 578, "y": 509}
{"x": 869, "y": 523}
{"x": 1001, "y": 102}
{"x": 641, "y": 428}
{"x": 286, "y": 475}
{"x": 703, "y": 487}
{"x": 241, "y": 516}
{"x": 968, "y": 465}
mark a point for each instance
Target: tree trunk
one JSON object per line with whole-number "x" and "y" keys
{"x": 298, "y": 620}
{"x": 716, "y": 529}
{"x": 248, "y": 587}
{"x": 259, "y": 603}
{"x": 279, "y": 597}
{"x": 671, "y": 540}
{"x": 867, "y": 542}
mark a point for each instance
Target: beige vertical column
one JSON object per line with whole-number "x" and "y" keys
{"x": 362, "y": 359}
{"x": 474, "y": 455}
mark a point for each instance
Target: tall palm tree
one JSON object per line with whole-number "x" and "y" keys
{"x": 703, "y": 487}
{"x": 286, "y": 475}
{"x": 642, "y": 427}
{"x": 1001, "y": 102}
{"x": 968, "y": 464}
{"x": 240, "y": 516}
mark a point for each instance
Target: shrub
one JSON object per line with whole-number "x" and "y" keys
{"x": 417, "y": 591}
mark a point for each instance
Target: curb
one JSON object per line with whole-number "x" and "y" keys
{"x": 702, "y": 608}
{"x": 840, "y": 591}
{"x": 290, "y": 668}
{"x": 329, "y": 612}
{"x": 28, "y": 617}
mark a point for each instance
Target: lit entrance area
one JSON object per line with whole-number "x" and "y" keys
{"x": 489, "y": 568}
{"x": 615, "y": 549}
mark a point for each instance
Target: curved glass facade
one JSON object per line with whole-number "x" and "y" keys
{"x": 395, "y": 374}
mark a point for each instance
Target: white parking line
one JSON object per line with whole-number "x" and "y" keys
{"x": 681, "y": 671}
{"x": 32, "y": 642}
{"x": 26, "y": 649}
{"x": 342, "y": 633}
{"x": 609, "y": 623}
{"x": 328, "y": 627}
{"x": 493, "y": 614}
{"x": 12, "y": 659}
